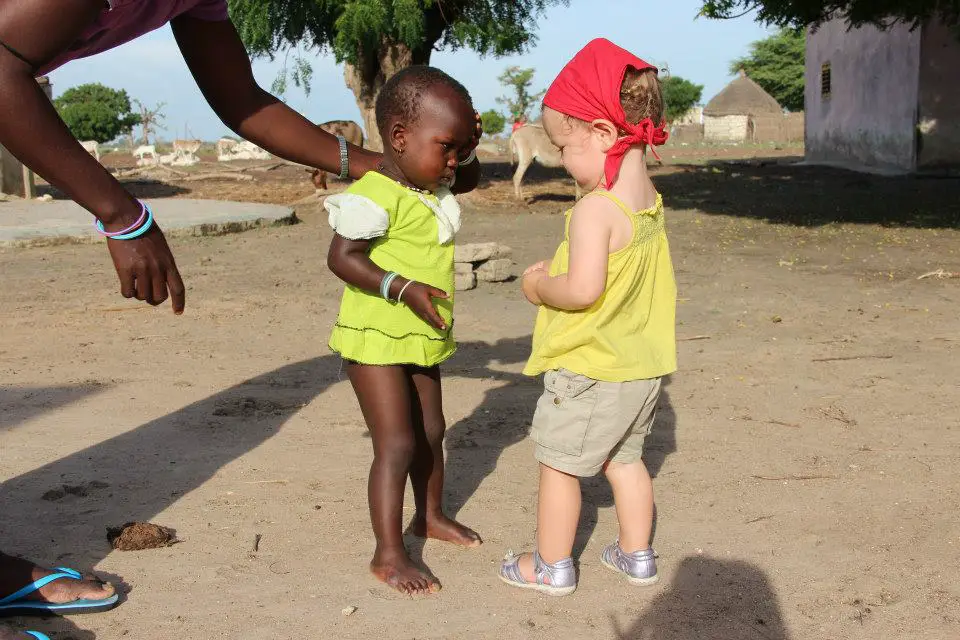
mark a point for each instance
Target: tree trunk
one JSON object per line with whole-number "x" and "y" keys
{"x": 371, "y": 72}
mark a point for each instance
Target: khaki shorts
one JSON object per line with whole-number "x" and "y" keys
{"x": 580, "y": 423}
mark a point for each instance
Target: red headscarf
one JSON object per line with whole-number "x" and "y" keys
{"x": 588, "y": 88}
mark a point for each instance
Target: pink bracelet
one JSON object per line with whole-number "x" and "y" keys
{"x": 143, "y": 214}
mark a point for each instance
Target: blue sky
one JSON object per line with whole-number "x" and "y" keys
{"x": 663, "y": 33}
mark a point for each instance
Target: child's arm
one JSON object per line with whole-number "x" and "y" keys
{"x": 590, "y": 228}
{"x": 350, "y": 261}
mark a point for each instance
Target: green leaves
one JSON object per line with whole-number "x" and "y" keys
{"x": 521, "y": 102}
{"x": 96, "y": 112}
{"x": 679, "y": 95}
{"x": 777, "y": 65}
{"x": 353, "y": 28}
{"x": 803, "y": 13}
{"x": 493, "y": 122}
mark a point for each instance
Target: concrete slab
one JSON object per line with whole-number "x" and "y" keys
{"x": 28, "y": 222}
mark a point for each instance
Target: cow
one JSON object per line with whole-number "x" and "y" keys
{"x": 188, "y": 147}
{"x": 225, "y": 147}
{"x": 530, "y": 142}
{"x": 351, "y": 131}
{"x": 144, "y": 150}
{"x": 92, "y": 147}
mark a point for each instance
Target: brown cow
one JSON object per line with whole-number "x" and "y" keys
{"x": 530, "y": 142}
{"x": 346, "y": 128}
{"x": 189, "y": 147}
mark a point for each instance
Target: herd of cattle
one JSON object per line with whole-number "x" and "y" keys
{"x": 527, "y": 143}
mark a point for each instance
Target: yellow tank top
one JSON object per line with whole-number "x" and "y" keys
{"x": 629, "y": 333}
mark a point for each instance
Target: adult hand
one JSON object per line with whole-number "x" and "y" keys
{"x": 419, "y": 297}
{"x": 147, "y": 270}
{"x": 479, "y": 131}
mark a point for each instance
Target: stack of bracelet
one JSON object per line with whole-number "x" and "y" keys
{"x": 137, "y": 229}
{"x": 387, "y": 281}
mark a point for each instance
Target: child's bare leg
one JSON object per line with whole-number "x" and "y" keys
{"x": 426, "y": 473}
{"x": 558, "y": 513}
{"x": 384, "y": 395}
{"x": 633, "y": 495}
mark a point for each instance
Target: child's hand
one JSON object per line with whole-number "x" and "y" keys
{"x": 543, "y": 265}
{"x": 419, "y": 297}
{"x": 531, "y": 278}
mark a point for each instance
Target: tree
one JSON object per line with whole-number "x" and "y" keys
{"x": 679, "y": 95}
{"x": 377, "y": 38}
{"x": 493, "y": 122}
{"x": 150, "y": 120}
{"x": 776, "y": 64}
{"x": 96, "y": 112}
{"x": 522, "y": 101}
{"x": 803, "y": 13}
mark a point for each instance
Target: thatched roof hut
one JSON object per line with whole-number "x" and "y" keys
{"x": 742, "y": 97}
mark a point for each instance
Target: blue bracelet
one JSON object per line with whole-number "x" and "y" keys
{"x": 136, "y": 233}
{"x": 386, "y": 282}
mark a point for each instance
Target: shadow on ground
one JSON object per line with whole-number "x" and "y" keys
{"x": 711, "y": 599}
{"x": 141, "y": 188}
{"x": 811, "y": 196}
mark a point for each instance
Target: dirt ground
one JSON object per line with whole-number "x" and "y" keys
{"x": 805, "y": 453}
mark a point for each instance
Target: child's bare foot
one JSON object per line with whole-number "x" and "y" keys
{"x": 397, "y": 571}
{"x": 440, "y": 527}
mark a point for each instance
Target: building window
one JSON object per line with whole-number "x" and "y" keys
{"x": 825, "y": 81}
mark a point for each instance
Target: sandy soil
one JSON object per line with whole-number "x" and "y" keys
{"x": 805, "y": 453}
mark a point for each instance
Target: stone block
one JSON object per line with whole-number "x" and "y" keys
{"x": 498, "y": 270}
{"x": 465, "y": 281}
{"x": 462, "y": 268}
{"x": 476, "y": 252}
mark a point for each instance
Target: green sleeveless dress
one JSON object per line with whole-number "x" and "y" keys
{"x": 412, "y": 233}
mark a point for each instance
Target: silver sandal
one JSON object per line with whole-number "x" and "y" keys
{"x": 639, "y": 567}
{"x": 557, "y": 579}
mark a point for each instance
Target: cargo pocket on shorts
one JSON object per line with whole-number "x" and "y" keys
{"x": 564, "y": 411}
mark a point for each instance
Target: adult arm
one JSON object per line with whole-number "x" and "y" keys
{"x": 39, "y": 30}
{"x": 218, "y": 61}
{"x": 220, "y": 65}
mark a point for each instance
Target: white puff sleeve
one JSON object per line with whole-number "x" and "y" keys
{"x": 356, "y": 217}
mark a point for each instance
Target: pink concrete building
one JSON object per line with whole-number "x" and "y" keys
{"x": 883, "y": 100}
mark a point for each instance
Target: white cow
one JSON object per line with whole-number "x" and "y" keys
{"x": 243, "y": 150}
{"x": 530, "y": 142}
{"x": 92, "y": 147}
{"x": 225, "y": 147}
{"x": 145, "y": 150}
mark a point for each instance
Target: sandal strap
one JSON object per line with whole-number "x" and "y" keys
{"x": 543, "y": 569}
{"x": 61, "y": 572}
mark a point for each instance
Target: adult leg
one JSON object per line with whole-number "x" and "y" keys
{"x": 384, "y": 396}
{"x": 428, "y": 468}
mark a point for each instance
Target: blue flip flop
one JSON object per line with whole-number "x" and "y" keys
{"x": 37, "y": 635}
{"x": 15, "y": 604}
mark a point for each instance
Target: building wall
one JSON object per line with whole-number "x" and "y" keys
{"x": 870, "y": 116}
{"x": 693, "y": 116}
{"x": 938, "y": 140}
{"x": 793, "y": 126}
{"x": 725, "y": 128}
